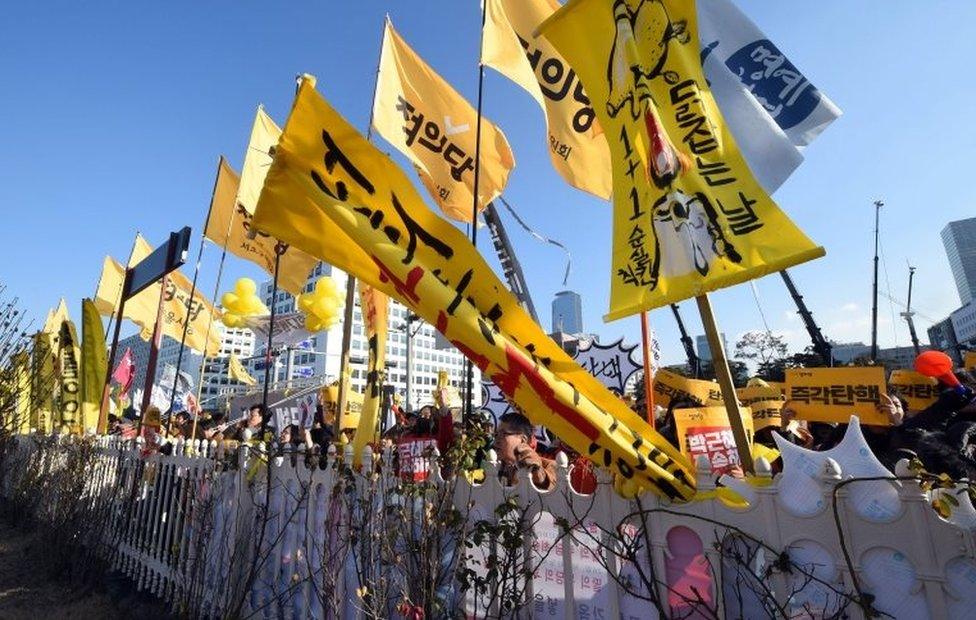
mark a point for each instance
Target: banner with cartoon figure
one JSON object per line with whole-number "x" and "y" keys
{"x": 336, "y": 196}
{"x": 689, "y": 216}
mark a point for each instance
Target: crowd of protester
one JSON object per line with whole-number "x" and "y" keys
{"x": 942, "y": 437}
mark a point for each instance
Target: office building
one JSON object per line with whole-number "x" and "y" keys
{"x": 430, "y": 352}
{"x": 567, "y": 313}
{"x": 942, "y": 336}
{"x": 169, "y": 351}
{"x": 705, "y": 351}
{"x": 959, "y": 239}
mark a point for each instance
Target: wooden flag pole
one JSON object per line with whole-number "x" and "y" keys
{"x": 724, "y": 376}
{"x": 648, "y": 374}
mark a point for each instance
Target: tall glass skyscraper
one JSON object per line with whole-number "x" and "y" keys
{"x": 567, "y": 313}
{"x": 959, "y": 239}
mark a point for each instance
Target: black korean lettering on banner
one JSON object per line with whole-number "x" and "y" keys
{"x": 334, "y": 155}
{"x": 556, "y": 80}
{"x": 742, "y": 218}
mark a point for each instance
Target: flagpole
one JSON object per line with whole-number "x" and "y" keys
{"x": 189, "y": 308}
{"x": 347, "y": 317}
{"x": 119, "y": 298}
{"x": 220, "y": 273}
{"x": 279, "y": 250}
{"x": 469, "y": 369}
{"x": 648, "y": 374}
{"x": 724, "y": 376}
{"x": 157, "y": 338}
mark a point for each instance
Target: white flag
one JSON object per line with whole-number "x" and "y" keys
{"x": 771, "y": 108}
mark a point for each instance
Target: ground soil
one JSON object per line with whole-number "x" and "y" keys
{"x": 31, "y": 587}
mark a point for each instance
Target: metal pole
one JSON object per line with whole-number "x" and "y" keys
{"x": 406, "y": 400}
{"x": 469, "y": 367}
{"x": 874, "y": 293}
{"x": 908, "y": 314}
{"x": 346, "y": 346}
{"x": 102, "y": 426}
{"x": 157, "y": 338}
{"x": 648, "y": 374}
{"x": 724, "y": 376}
{"x": 279, "y": 250}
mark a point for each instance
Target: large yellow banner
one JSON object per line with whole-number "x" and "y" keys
{"x": 177, "y": 307}
{"x": 42, "y": 382}
{"x": 834, "y": 394}
{"x": 334, "y": 195}
{"x": 94, "y": 364}
{"x": 577, "y": 148}
{"x": 68, "y": 354}
{"x": 375, "y": 310}
{"x": 689, "y": 217}
{"x": 21, "y": 384}
{"x": 232, "y": 207}
{"x": 419, "y": 113}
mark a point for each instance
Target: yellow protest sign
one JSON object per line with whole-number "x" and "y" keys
{"x": 141, "y": 309}
{"x": 231, "y": 209}
{"x": 670, "y": 386}
{"x": 237, "y": 372}
{"x": 336, "y": 196}
{"x": 689, "y": 216}
{"x": 375, "y": 310}
{"x": 577, "y": 148}
{"x": 767, "y": 413}
{"x": 917, "y": 389}
{"x": 420, "y": 113}
{"x": 834, "y": 394}
{"x": 329, "y": 399}
{"x": 21, "y": 385}
{"x": 705, "y": 431}
{"x": 42, "y": 382}
{"x": 750, "y": 395}
{"x": 969, "y": 360}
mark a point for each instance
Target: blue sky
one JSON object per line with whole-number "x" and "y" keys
{"x": 116, "y": 113}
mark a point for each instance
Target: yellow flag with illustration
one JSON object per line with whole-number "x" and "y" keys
{"x": 233, "y": 205}
{"x": 375, "y": 310}
{"x": 419, "y": 113}
{"x": 94, "y": 364}
{"x": 689, "y": 217}
{"x": 42, "y": 382}
{"x": 68, "y": 352}
{"x": 177, "y": 306}
{"x": 336, "y": 196}
{"x": 577, "y": 148}
{"x": 237, "y": 372}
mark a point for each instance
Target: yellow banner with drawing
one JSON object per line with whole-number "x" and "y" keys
{"x": 336, "y": 196}
{"x": 833, "y": 394}
{"x": 689, "y": 217}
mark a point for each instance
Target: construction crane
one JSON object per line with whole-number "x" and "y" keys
{"x": 821, "y": 346}
{"x": 908, "y": 314}
{"x": 694, "y": 364}
{"x": 506, "y": 256}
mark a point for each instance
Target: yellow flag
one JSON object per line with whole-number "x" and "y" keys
{"x": 422, "y": 115}
{"x": 68, "y": 353}
{"x": 94, "y": 364}
{"x": 42, "y": 382}
{"x": 689, "y": 217}
{"x": 334, "y": 195}
{"x": 577, "y": 148}
{"x": 21, "y": 384}
{"x": 375, "y": 309}
{"x": 233, "y": 205}
{"x": 237, "y": 372}
{"x": 177, "y": 307}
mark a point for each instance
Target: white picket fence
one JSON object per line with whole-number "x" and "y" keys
{"x": 192, "y": 526}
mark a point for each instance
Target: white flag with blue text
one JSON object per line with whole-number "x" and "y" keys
{"x": 771, "y": 108}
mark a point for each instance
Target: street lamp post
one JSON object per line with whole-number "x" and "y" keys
{"x": 411, "y": 318}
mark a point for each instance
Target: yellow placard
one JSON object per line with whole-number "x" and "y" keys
{"x": 426, "y": 119}
{"x": 329, "y": 399}
{"x": 834, "y": 394}
{"x": 669, "y": 386}
{"x": 577, "y": 148}
{"x": 336, "y": 196}
{"x": 969, "y": 360}
{"x": 750, "y": 395}
{"x": 767, "y": 413}
{"x": 689, "y": 216}
{"x": 706, "y": 431}
{"x": 375, "y": 309}
{"x": 917, "y": 389}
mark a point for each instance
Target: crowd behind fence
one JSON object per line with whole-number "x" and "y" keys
{"x": 214, "y": 531}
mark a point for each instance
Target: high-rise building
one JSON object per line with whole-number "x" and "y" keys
{"x": 429, "y": 351}
{"x": 959, "y": 239}
{"x": 169, "y": 351}
{"x": 942, "y": 336}
{"x": 567, "y": 313}
{"x": 704, "y": 350}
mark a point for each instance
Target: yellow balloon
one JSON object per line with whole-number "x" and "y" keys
{"x": 313, "y": 324}
{"x": 229, "y": 300}
{"x": 253, "y": 305}
{"x": 324, "y": 286}
{"x": 305, "y": 303}
{"x": 325, "y": 307}
{"x": 246, "y": 287}
{"x": 231, "y": 320}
